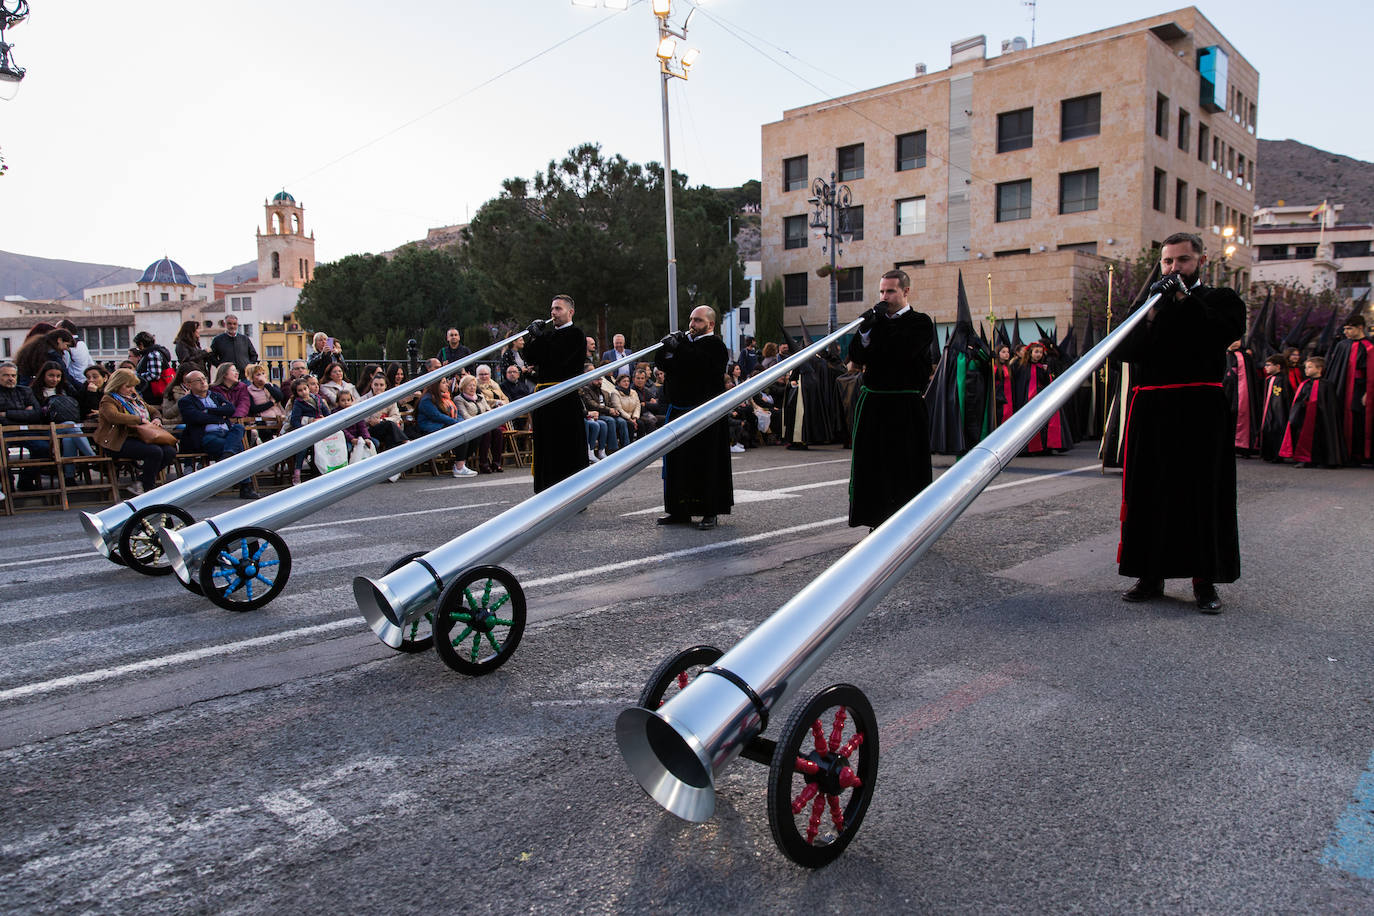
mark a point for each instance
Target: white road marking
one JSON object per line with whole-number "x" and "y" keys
{"x": 311, "y": 821}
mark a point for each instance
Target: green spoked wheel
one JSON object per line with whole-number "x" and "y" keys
{"x": 675, "y": 673}
{"x": 140, "y": 548}
{"x": 419, "y": 634}
{"x": 479, "y": 620}
{"x": 245, "y": 568}
{"x": 822, "y": 774}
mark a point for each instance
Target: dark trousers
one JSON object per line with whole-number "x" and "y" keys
{"x": 153, "y": 458}
{"x": 226, "y": 443}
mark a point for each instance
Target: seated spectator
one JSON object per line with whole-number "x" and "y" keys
{"x": 209, "y": 429}
{"x": 488, "y": 389}
{"x": 437, "y": 410}
{"x": 265, "y": 403}
{"x": 314, "y": 384}
{"x": 78, "y": 355}
{"x": 324, "y": 353}
{"x": 37, "y": 350}
{"x": 487, "y": 447}
{"x": 359, "y": 430}
{"x": 651, "y": 401}
{"x": 602, "y": 435}
{"x": 625, "y": 402}
{"x": 176, "y": 390}
{"x": 89, "y": 394}
{"x": 333, "y": 383}
{"x": 233, "y": 389}
{"x": 512, "y": 356}
{"x": 297, "y": 370}
{"x": 56, "y": 394}
{"x": 121, "y": 412}
{"x": 18, "y": 406}
{"x": 365, "y": 378}
{"x": 765, "y": 410}
{"x": 513, "y": 386}
{"x": 305, "y": 407}
{"x": 386, "y": 424}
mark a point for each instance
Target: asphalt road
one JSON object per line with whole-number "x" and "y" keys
{"x": 1045, "y": 747}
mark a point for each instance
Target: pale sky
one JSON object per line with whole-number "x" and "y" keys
{"x": 160, "y": 127}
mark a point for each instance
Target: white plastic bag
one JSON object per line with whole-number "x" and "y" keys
{"x": 362, "y": 450}
{"x": 331, "y": 453}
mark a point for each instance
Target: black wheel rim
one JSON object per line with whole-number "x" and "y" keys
{"x": 676, "y": 672}
{"x": 479, "y": 620}
{"x": 245, "y": 569}
{"x": 822, "y": 775}
{"x": 418, "y": 634}
{"x": 140, "y": 548}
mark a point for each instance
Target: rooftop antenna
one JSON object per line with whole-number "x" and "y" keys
{"x": 1031, "y": 4}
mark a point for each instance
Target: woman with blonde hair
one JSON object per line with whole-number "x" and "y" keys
{"x": 486, "y": 448}
{"x": 125, "y": 422}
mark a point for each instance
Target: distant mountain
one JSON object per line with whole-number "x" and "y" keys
{"x": 1299, "y": 175}
{"x": 48, "y": 278}
{"x": 240, "y": 274}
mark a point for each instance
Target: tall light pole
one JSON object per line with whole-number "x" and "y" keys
{"x": 671, "y": 65}
{"x": 12, "y": 12}
{"x": 829, "y": 217}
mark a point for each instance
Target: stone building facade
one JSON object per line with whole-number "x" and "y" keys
{"x": 1031, "y": 166}
{"x": 1309, "y": 245}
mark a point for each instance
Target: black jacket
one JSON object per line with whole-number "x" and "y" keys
{"x": 197, "y": 416}
{"x": 18, "y": 405}
{"x": 238, "y": 350}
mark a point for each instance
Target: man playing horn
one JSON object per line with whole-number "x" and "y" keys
{"x": 557, "y": 348}
{"x": 696, "y": 474}
{"x": 891, "y": 442}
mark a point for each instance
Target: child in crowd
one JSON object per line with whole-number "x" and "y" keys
{"x": 358, "y": 430}
{"x": 1275, "y": 398}
{"x": 305, "y": 406}
{"x": 1312, "y": 437}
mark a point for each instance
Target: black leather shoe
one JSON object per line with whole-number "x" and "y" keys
{"x": 1208, "y": 601}
{"x": 674, "y": 520}
{"x": 707, "y": 523}
{"x": 249, "y": 493}
{"x": 1144, "y": 590}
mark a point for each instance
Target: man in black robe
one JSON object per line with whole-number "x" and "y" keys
{"x": 1350, "y": 375}
{"x": 891, "y": 445}
{"x": 696, "y": 474}
{"x": 1178, "y": 515}
{"x": 557, "y": 347}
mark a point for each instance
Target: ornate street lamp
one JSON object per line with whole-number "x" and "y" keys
{"x": 12, "y": 12}
{"x": 830, "y": 220}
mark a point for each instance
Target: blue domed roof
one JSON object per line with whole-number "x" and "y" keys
{"x": 282, "y": 197}
{"x": 165, "y": 271}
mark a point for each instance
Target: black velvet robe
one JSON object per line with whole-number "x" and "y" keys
{"x": 1178, "y": 513}
{"x": 560, "y": 435}
{"x": 1275, "y": 400}
{"x": 890, "y": 462}
{"x": 1350, "y": 370}
{"x": 1243, "y": 385}
{"x": 696, "y": 474}
{"x": 1312, "y": 436}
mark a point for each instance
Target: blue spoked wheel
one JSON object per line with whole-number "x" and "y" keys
{"x": 245, "y": 568}
{"x": 479, "y": 620}
{"x": 419, "y": 634}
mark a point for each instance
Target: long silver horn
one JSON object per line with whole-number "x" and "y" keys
{"x": 187, "y": 547}
{"x": 103, "y": 527}
{"x": 390, "y": 603}
{"x": 676, "y": 751}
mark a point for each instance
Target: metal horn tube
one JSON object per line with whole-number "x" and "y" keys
{"x": 186, "y": 547}
{"x": 102, "y": 528}
{"x": 392, "y": 601}
{"x": 676, "y": 751}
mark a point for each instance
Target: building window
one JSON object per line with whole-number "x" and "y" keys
{"x": 122, "y": 338}
{"x": 276, "y": 265}
{"x": 1162, "y": 116}
{"x": 793, "y": 232}
{"x": 1161, "y": 195}
{"x": 1204, "y": 142}
{"x": 849, "y": 285}
{"x": 7, "y": 348}
{"x": 1013, "y": 201}
{"x": 911, "y": 216}
{"x": 1304, "y": 252}
{"x": 165, "y": 297}
{"x": 246, "y": 329}
{"x": 1015, "y": 129}
{"x": 1272, "y": 253}
{"x": 1200, "y": 210}
{"x": 1010, "y": 252}
{"x": 1078, "y": 191}
{"x": 274, "y": 351}
{"x": 794, "y": 290}
{"x": 1085, "y": 247}
{"x": 852, "y": 222}
{"x": 1080, "y": 117}
{"x": 851, "y": 161}
{"x": 1181, "y": 199}
{"x": 1185, "y": 127}
{"x": 911, "y": 151}
{"x": 794, "y": 174}
{"x": 1351, "y": 249}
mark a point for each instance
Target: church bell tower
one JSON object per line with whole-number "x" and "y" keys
{"x": 286, "y": 255}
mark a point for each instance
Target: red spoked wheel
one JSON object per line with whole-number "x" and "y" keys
{"x": 822, "y": 775}
{"x": 675, "y": 673}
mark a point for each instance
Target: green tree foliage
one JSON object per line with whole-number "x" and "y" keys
{"x": 366, "y": 294}
{"x": 592, "y": 226}
{"x": 1127, "y": 280}
{"x": 396, "y": 345}
{"x": 641, "y": 334}
{"x": 768, "y": 312}
{"x": 431, "y": 340}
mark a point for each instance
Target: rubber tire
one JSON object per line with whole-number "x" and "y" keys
{"x": 424, "y": 643}
{"x": 451, "y": 601}
{"x": 131, "y": 551}
{"x": 782, "y": 771}
{"x": 666, "y": 674}
{"x": 219, "y": 594}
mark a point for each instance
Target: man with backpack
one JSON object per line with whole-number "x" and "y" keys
{"x": 154, "y": 370}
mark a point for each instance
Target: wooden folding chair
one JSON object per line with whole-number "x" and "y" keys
{"x": 20, "y": 443}
{"x": 90, "y": 473}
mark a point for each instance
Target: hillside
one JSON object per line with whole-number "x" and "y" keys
{"x": 1300, "y": 174}
{"x": 48, "y": 278}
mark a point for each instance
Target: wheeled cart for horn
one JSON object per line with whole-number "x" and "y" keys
{"x": 127, "y": 533}
{"x": 823, "y": 764}
{"x": 459, "y": 585}
{"x": 239, "y": 561}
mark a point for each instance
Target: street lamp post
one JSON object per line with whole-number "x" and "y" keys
{"x": 12, "y": 12}
{"x": 830, "y": 203}
{"x": 1228, "y": 251}
{"x": 671, "y": 65}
